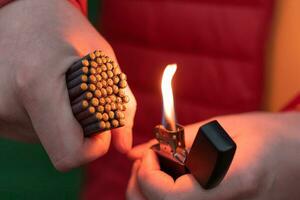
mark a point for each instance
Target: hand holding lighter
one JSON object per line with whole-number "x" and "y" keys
{"x": 208, "y": 159}
{"x": 211, "y": 154}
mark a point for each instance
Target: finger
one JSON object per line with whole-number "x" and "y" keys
{"x": 97, "y": 145}
{"x": 138, "y": 151}
{"x": 153, "y": 183}
{"x": 187, "y": 187}
{"x": 133, "y": 190}
{"x": 122, "y": 137}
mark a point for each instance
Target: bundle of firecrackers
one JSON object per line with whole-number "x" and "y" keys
{"x": 96, "y": 87}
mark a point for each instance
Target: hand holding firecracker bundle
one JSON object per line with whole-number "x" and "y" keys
{"x": 36, "y": 101}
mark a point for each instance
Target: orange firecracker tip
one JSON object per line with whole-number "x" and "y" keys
{"x": 97, "y": 93}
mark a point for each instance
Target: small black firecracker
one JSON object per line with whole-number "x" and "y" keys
{"x": 96, "y": 88}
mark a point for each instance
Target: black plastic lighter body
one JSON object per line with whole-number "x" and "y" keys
{"x": 208, "y": 159}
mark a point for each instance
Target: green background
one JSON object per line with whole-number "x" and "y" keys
{"x": 26, "y": 171}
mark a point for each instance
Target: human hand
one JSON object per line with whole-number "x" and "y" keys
{"x": 40, "y": 39}
{"x": 266, "y": 164}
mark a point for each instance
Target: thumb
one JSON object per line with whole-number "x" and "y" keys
{"x": 138, "y": 151}
{"x": 133, "y": 190}
{"x": 122, "y": 137}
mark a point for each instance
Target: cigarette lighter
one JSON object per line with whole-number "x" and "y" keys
{"x": 208, "y": 159}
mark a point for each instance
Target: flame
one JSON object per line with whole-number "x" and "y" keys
{"x": 167, "y": 93}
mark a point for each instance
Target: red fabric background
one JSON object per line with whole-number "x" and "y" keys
{"x": 219, "y": 48}
{"x": 4, "y": 2}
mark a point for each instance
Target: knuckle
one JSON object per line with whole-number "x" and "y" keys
{"x": 21, "y": 79}
{"x": 66, "y": 162}
{"x": 24, "y": 81}
{"x": 63, "y": 165}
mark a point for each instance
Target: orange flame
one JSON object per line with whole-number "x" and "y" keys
{"x": 168, "y": 99}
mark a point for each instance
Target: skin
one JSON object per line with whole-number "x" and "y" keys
{"x": 42, "y": 39}
{"x": 266, "y": 164}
